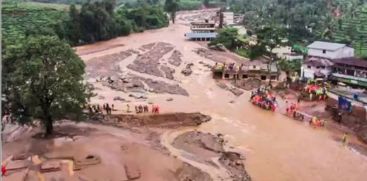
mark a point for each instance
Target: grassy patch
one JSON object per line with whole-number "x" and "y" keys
{"x": 18, "y": 19}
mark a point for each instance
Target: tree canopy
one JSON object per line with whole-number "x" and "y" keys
{"x": 43, "y": 79}
{"x": 171, "y": 6}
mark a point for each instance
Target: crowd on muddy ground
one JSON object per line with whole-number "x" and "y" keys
{"x": 108, "y": 108}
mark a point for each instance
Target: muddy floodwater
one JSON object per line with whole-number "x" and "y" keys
{"x": 276, "y": 148}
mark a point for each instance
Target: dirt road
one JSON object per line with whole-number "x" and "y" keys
{"x": 276, "y": 147}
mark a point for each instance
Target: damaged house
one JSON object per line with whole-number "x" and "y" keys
{"x": 260, "y": 69}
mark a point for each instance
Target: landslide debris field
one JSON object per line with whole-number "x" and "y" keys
{"x": 119, "y": 147}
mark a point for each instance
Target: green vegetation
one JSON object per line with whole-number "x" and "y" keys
{"x": 43, "y": 79}
{"x": 290, "y": 66}
{"x": 304, "y": 21}
{"x": 81, "y": 24}
{"x": 171, "y": 6}
{"x": 353, "y": 30}
{"x": 228, "y": 38}
{"x": 21, "y": 20}
{"x": 189, "y": 4}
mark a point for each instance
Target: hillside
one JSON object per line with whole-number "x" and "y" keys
{"x": 18, "y": 19}
{"x": 353, "y": 30}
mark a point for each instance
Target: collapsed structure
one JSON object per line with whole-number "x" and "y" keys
{"x": 259, "y": 69}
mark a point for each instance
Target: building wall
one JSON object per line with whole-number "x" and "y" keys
{"x": 309, "y": 71}
{"x": 340, "y": 53}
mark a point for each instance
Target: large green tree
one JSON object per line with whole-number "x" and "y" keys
{"x": 43, "y": 79}
{"x": 227, "y": 37}
{"x": 172, "y": 7}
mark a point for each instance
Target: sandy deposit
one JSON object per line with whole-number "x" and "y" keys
{"x": 99, "y": 152}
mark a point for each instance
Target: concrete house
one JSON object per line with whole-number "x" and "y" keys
{"x": 318, "y": 63}
{"x": 202, "y": 31}
{"x": 329, "y": 50}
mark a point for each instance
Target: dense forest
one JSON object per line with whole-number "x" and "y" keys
{"x": 86, "y": 23}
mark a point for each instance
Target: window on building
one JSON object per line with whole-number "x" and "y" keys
{"x": 308, "y": 66}
{"x": 318, "y": 67}
{"x": 244, "y": 76}
{"x": 323, "y": 51}
{"x": 226, "y": 76}
{"x": 273, "y": 77}
{"x": 263, "y": 77}
{"x": 322, "y": 67}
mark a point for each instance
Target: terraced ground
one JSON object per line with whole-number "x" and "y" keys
{"x": 355, "y": 29}
{"x": 17, "y": 19}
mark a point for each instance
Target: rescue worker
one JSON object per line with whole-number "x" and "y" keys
{"x": 345, "y": 139}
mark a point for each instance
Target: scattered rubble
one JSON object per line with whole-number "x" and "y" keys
{"x": 105, "y": 66}
{"x": 169, "y": 99}
{"x": 205, "y": 64}
{"x": 206, "y": 146}
{"x": 148, "y": 62}
{"x": 233, "y": 162}
{"x": 219, "y": 56}
{"x": 161, "y": 87}
{"x": 168, "y": 71}
{"x": 187, "y": 70}
{"x": 249, "y": 84}
{"x": 235, "y": 91}
{"x": 118, "y": 98}
{"x": 190, "y": 173}
{"x": 175, "y": 58}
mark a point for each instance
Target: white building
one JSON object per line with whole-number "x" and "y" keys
{"x": 329, "y": 50}
{"x": 319, "y": 58}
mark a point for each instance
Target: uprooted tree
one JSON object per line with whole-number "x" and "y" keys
{"x": 43, "y": 80}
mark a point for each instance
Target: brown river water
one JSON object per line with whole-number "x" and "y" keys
{"x": 276, "y": 148}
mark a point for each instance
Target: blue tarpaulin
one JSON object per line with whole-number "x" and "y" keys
{"x": 344, "y": 104}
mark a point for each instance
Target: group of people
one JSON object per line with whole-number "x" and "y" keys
{"x": 317, "y": 122}
{"x": 98, "y": 109}
{"x": 145, "y": 109}
{"x": 141, "y": 109}
{"x": 264, "y": 99}
{"x": 291, "y": 109}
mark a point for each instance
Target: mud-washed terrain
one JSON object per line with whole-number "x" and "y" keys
{"x": 117, "y": 147}
{"x": 160, "y": 67}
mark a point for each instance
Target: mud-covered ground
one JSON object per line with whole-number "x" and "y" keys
{"x": 120, "y": 147}
{"x": 161, "y": 68}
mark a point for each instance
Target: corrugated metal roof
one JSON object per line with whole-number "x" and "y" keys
{"x": 201, "y": 35}
{"x": 353, "y": 61}
{"x": 321, "y": 45}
